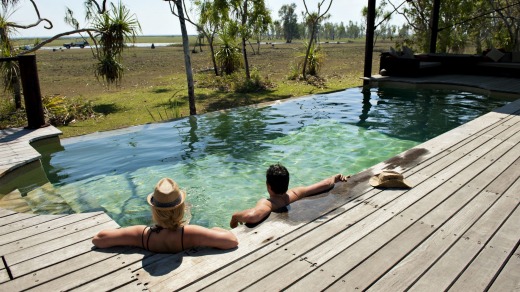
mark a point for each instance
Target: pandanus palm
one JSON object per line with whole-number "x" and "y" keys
{"x": 115, "y": 28}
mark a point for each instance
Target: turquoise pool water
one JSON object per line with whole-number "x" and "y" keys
{"x": 220, "y": 158}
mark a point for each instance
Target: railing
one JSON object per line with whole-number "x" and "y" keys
{"x": 31, "y": 90}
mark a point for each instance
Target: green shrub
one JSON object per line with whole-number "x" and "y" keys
{"x": 294, "y": 73}
{"x": 211, "y": 81}
{"x": 60, "y": 111}
{"x": 241, "y": 84}
{"x": 235, "y": 82}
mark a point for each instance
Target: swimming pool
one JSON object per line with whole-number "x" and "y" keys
{"x": 220, "y": 158}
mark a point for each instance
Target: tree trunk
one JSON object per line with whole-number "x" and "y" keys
{"x": 304, "y": 73}
{"x": 187, "y": 58}
{"x": 210, "y": 43}
{"x": 244, "y": 50}
{"x": 17, "y": 93}
{"x": 252, "y": 48}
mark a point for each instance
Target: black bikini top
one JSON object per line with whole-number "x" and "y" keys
{"x": 157, "y": 229}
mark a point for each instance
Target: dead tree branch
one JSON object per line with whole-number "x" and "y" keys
{"x": 43, "y": 43}
{"x": 40, "y": 20}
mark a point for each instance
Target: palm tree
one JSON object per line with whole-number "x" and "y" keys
{"x": 228, "y": 56}
{"x": 113, "y": 29}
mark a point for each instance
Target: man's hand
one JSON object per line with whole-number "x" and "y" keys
{"x": 339, "y": 177}
{"x": 234, "y": 221}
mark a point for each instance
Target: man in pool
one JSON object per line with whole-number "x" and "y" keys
{"x": 277, "y": 182}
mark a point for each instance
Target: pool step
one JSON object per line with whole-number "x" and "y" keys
{"x": 14, "y": 202}
{"x": 46, "y": 200}
{"x": 43, "y": 200}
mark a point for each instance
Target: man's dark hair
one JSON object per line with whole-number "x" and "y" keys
{"x": 277, "y": 176}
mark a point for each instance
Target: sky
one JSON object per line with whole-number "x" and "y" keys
{"x": 155, "y": 16}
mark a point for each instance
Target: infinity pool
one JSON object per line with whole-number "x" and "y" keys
{"x": 220, "y": 158}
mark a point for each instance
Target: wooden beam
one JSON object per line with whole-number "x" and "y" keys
{"x": 31, "y": 91}
{"x": 434, "y": 25}
{"x": 369, "y": 42}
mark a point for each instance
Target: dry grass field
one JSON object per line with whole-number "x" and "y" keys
{"x": 154, "y": 78}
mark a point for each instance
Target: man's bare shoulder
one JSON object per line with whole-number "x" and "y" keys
{"x": 279, "y": 201}
{"x": 264, "y": 204}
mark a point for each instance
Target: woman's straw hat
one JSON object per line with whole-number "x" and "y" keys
{"x": 389, "y": 179}
{"x": 166, "y": 195}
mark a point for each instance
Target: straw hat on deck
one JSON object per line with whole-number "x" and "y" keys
{"x": 389, "y": 179}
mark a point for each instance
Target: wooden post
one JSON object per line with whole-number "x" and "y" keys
{"x": 434, "y": 25}
{"x": 31, "y": 91}
{"x": 369, "y": 41}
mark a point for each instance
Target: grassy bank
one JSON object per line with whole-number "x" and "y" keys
{"x": 154, "y": 85}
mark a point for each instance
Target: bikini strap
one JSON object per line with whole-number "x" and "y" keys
{"x": 142, "y": 237}
{"x": 156, "y": 229}
{"x": 182, "y": 237}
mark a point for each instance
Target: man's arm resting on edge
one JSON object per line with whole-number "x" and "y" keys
{"x": 253, "y": 215}
{"x": 324, "y": 185}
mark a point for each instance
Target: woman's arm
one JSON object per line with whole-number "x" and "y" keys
{"x": 128, "y": 236}
{"x": 195, "y": 235}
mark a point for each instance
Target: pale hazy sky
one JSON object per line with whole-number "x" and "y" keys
{"x": 155, "y": 16}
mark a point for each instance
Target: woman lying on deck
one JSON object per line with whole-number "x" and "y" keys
{"x": 169, "y": 235}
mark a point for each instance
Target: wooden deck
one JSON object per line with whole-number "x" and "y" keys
{"x": 15, "y": 148}
{"x": 456, "y": 229}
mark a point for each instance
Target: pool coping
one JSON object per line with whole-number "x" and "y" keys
{"x": 16, "y": 149}
{"x": 479, "y": 84}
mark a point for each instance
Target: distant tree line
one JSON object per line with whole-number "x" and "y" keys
{"x": 327, "y": 30}
{"x": 236, "y": 28}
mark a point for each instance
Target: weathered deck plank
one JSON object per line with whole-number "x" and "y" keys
{"x": 5, "y": 213}
{"x": 7, "y": 222}
{"x": 30, "y": 259}
{"x": 98, "y": 270}
{"x": 410, "y": 268}
{"x": 444, "y": 271}
{"x": 44, "y": 227}
{"x": 48, "y": 267}
{"x": 485, "y": 267}
{"x": 4, "y": 275}
{"x": 19, "y": 250}
{"x": 22, "y": 221}
{"x": 508, "y": 279}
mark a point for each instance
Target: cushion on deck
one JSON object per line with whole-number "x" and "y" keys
{"x": 495, "y": 55}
